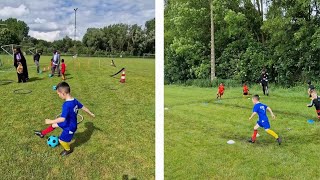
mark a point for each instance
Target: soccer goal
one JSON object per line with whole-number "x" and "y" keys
{"x": 27, "y": 50}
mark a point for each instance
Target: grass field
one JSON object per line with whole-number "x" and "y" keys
{"x": 117, "y": 144}
{"x": 197, "y": 128}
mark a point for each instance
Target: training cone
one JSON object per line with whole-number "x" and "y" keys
{"x": 123, "y": 77}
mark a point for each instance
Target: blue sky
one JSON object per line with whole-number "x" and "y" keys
{"x": 52, "y": 20}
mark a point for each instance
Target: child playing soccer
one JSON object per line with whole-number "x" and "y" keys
{"x": 63, "y": 69}
{"x": 68, "y": 119}
{"x": 245, "y": 90}
{"x": 220, "y": 91}
{"x": 261, "y": 110}
{"x": 316, "y": 103}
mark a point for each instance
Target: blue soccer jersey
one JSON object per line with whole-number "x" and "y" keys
{"x": 69, "y": 112}
{"x": 261, "y": 110}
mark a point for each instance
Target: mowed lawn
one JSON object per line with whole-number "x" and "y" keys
{"x": 117, "y": 144}
{"x": 197, "y": 128}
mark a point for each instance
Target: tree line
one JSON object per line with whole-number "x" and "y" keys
{"x": 116, "y": 39}
{"x": 282, "y": 36}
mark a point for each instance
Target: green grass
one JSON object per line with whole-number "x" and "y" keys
{"x": 196, "y": 135}
{"x": 118, "y": 142}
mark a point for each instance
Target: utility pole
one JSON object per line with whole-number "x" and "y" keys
{"x": 75, "y": 22}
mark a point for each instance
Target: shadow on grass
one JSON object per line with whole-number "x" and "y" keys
{"x": 5, "y": 82}
{"x": 126, "y": 177}
{"x": 34, "y": 79}
{"x": 83, "y": 137}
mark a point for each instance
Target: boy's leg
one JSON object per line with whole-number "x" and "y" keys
{"x": 65, "y": 145}
{"x": 275, "y": 135}
{"x": 272, "y": 133}
{"x": 65, "y": 139}
{"x": 255, "y": 132}
{"x": 46, "y": 131}
{"x": 263, "y": 89}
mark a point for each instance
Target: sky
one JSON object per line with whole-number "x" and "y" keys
{"x": 53, "y": 20}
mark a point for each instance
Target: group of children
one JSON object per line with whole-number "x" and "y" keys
{"x": 261, "y": 110}
{"x": 220, "y": 92}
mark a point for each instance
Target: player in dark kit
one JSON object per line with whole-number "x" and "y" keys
{"x": 311, "y": 88}
{"x": 316, "y": 103}
{"x": 264, "y": 82}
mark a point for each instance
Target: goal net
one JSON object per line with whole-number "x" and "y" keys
{"x": 8, "y": 49}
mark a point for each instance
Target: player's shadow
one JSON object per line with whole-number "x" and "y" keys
{"x": 83, "y": 137}
{"x": 34, "y": 79}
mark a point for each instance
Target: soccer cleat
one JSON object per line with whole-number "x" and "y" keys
{"x": 38, "y": 133}
{"x": 279, "y": 140}
{"x": 65, "y": 152}
{"x": 250, "y": 141}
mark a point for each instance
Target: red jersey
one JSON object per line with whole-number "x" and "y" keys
{"x": 63, "y": 68}
{"x": 245, "y": 89}
{"x": 221, "y": 88}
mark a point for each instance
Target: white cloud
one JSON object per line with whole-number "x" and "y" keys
{"x": 48, "y": 36}
{"x": 55, "y": 19}
{"x": 8, "y": 11}
{"x": 38, "y": 20}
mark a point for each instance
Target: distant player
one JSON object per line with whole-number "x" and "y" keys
{"x": 311, "y": 88}
{"x": 264, "y": 82}
{"x": 36, "y": 59}
{"x": 315, "y": 102}
{"x": 63, "y": 69}
{"x": 220, "y": 91}
{"x": 245, "y": 89}
{"x": 263, "y": 121}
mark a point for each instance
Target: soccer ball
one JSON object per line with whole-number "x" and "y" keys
{"x": 53, "y": 141}
{"x": 54, "y": 87}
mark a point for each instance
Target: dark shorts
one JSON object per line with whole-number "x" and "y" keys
{"x": 245, "y": 93}
{"x": 264, "y": 124}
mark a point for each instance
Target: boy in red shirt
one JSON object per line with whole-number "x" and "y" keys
{"x": 63, "y": 69}
{"x": 245, "y": 89}
{"x": 220, "y": 91}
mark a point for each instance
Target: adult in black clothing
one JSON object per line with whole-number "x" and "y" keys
{"x": 311, "y": 88}
{"x": 264, "y": 82}
{"x": 36, "y": 59}
{"x": 19, "y": 57}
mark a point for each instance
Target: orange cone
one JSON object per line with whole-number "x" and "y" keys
{"x": 123, "y": 77}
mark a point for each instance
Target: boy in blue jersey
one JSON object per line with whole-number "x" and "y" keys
{"x": 68, "y": 119}
{"x": 261, "y": 110}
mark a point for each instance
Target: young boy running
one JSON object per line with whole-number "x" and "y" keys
{"x": 220, "y": 91}
{"x": 68, "y": 119}
{"x": 261, "y": 110}
{"x": 63, "y": 69}
{"x": 245, "y": 89}
{"x": 315, "y": 102}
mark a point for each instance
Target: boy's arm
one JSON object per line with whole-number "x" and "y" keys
{"x": 58, "y": 120}
{"x": 254, "y": 113}
{"x": 311, "y": 103}
{"x": 269, "y": 109}
{"x": 87, "y": 111}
